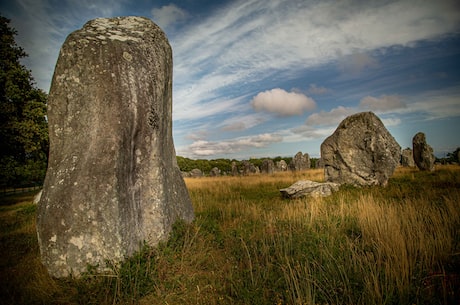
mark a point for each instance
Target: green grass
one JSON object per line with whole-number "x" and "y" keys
{"x": 393, "y": 245}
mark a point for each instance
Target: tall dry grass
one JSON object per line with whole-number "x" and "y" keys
{"x": 360, "y": 246}
{"x": 248, "y": 245}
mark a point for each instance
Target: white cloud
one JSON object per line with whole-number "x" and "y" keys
{"x": 282, "y": 103}
{"x": 207, "y": 148}
{"x": 168, "y": 14}
{"x": 333, "y": 117}
{"x": 383, "y": 103}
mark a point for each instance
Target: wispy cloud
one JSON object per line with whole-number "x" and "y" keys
{"x": 317, "y": 90}
{"x": 208, "y": 148}
{"x": 225, "y": 61}
{"x": 353, "y": 64}
{"x": 382, "y": 103}
{"x": 168, "y": 15}
{"x": 242, "y": 122}
{"x": 333, "y": 117}
{"x": 435, "y": 104}
{"x": 249, "y": 41}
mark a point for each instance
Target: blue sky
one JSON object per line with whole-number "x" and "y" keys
{"x": 266, "y": 78}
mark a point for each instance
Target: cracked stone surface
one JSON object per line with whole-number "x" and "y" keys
{"x": 112, "y": 181}
{"x": 361, "y": 152}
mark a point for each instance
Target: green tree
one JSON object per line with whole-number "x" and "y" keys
{"x": 453, "y": 156}
{"x": 23, "y": 125}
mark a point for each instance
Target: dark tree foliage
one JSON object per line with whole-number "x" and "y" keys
{"x": 452, "y": 157}
{"x": 23, "y": 125}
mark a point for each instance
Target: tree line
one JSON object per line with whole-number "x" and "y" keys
{"x": 23, "y": 124}
{"x": 225, "y": 165}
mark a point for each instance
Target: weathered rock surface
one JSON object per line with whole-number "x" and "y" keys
{"x": 38, "y": 197}
{"x": 360, "y": 152}
{"x": 196, "y": 173}
{"x": 309, "y": 188}
{"x": 281, "y": 166}
{"x": 249, "y": 168}
{"x": 407, "y": 158}
{"x": 300, "y": 162}
{"x": 319, "y": 163}
{"x": 267, "y": 166}
{"x": 235, "y": 171}
{"x": 215, "y": 172}
{"x": 112, "y": 180}
{"x": 423, "y": 153}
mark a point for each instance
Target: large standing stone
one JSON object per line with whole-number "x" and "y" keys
{"x": 112, "y": 180}
{"x": 361, "y": 151}
{"x": 423, "y": 153}
{"x": 300, "y": 162}
{"x": 407, "y": 158}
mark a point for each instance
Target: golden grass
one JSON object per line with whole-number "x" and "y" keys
{"x": 248, "y": 245}
{"x": 389, "y": 239}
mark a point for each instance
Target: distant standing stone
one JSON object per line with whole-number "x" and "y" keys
{"x": 267, "y": 167}
{"x": 423, "y": 153}
{"x": 281, "y": 166}
{"x": 112, "y": 181}
{"x": 235, "y": 171}
{"x": 407, "y": 158}
{"x": 300, "y": 162}
{"x": 361, "y": 151}
{"x": 319, "y": 163}
{"x": 215, "y": 172}
{"x": 196, "y": 173}
{"x": 249, "y": 168}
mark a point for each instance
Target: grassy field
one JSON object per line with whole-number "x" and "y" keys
{"x": 393, "y": 245}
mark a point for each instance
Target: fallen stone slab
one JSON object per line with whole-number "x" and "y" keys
{"x": 309, "y": 188}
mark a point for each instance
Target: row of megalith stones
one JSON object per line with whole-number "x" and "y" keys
{"x": 268, "y": 166}
{"x": 420, "y": 156}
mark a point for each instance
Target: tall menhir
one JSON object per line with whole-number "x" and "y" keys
{"x": 112, "y": 181}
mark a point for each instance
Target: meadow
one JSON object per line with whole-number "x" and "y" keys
{"x": 394, "y": 245}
